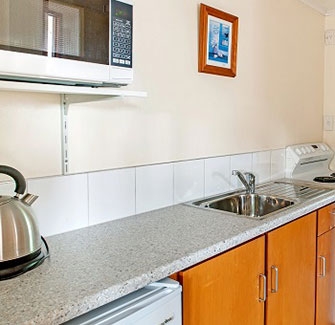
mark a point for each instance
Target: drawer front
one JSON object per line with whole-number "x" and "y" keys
{"x": 326, "y": 218}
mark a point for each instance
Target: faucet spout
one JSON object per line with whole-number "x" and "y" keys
{"x": 248, "y": 180}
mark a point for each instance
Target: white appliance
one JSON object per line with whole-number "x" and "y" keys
{"x": 66, "y": 41}
{"x": 156, "y": 304}
{"x": 310, "y": 162}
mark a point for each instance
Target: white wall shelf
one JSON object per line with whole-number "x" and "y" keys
{"x": 103, "y": 92}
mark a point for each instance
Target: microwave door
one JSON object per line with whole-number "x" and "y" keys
{"x": 55, "y": 39}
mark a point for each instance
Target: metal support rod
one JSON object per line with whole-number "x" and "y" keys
{"x": 64, "y": 121}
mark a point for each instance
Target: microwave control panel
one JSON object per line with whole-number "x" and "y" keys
{"x": 121, "y": 34}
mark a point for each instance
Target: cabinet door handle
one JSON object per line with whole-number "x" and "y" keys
{"x": 262, "y": 277}
{"x": 323, "y": 266}
{"x": 274, "y": 279}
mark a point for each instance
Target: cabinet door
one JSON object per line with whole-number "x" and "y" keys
{"x": 227, "y": 289}
{"x": 291, "y": 255}
{"x": 325, "y": 297}
{"x": 326, "y": 218}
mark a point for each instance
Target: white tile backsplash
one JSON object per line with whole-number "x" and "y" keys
{"x": 111, "y": 195}
{"x": 189, "y": 180}
{"x": 278, "y": 163}
{"x": 62, "y": 203}
{"x": 261, "y": 166}
{"x": 217, "y": 175}
{"x": 154, "y": 187}
{"x": 75, "y": 201}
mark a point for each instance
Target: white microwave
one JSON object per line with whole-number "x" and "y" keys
{"x": 71, "y": 42}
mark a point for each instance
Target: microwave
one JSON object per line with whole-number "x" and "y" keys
{"x": 71, "y": 42}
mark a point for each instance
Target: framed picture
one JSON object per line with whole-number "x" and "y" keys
{"x": 217, "y": 42}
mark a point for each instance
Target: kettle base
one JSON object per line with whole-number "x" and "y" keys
{"x": 13, "y": 268}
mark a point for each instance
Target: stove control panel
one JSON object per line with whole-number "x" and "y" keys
{"x": 301, "y": 150}
{"x": 303, "y": 158}
{"x": 309, "y": 150}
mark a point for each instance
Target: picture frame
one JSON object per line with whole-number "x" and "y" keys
{"x": 218, "y": 33}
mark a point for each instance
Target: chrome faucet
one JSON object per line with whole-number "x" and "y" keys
{"x": 248, "y": 180}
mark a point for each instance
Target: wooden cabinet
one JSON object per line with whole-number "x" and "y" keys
{"x": 229, "y": 289}
{"x": 291, "y": 254}
{"x": 325, "y": 292}
{"x": 326, "y": 218}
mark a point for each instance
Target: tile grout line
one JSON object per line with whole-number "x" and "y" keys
{"x": 88, "y": 199}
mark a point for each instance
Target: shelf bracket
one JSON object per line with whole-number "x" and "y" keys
{"x": 74, "y": 98}
{"x": 66, "y": 101}
{"x": 64, "y": 120}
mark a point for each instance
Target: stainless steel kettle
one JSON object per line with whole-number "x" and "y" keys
{"x": 19, "y": 234}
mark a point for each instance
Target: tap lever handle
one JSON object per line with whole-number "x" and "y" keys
{"x": 250, "y": 177}
{"x": 248, "y": 180}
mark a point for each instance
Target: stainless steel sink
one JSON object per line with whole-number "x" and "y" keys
{"x": 250, "y": 205}
{"x": 269, "y": 198}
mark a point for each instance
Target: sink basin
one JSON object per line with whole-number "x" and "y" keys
{"x": 269, "y": 198}
{"x": 250, "y": 205}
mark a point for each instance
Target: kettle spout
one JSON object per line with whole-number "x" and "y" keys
{"x": 29, "y": 199}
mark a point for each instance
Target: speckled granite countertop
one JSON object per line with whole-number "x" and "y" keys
{"x": 95, "y": 265}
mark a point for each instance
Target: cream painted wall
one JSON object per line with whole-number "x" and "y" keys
{"x": 30, "y": 132}
{"x": 329, "y": 94}
{"x": 275, "y": 100}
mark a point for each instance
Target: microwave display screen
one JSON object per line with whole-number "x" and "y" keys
{"x": 121, "y": 33}
{"x": 70, "y": 29}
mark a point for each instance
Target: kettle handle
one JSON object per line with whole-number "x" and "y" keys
{"x": 20, "y": 182}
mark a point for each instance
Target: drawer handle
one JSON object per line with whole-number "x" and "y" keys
{"x": 274, "y": 270}
{"x": 262, "y": 277}
{"x": 323, "y": 266}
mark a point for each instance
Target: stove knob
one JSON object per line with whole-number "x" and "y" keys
{"x": 303, "y": 150}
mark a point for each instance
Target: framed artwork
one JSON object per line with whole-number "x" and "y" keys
{"x": 218, "y": 32}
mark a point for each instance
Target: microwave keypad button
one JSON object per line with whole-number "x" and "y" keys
{"x": 122, "y": 34}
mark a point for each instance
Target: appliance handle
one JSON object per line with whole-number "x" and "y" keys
{"x": 20, "y": 182}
